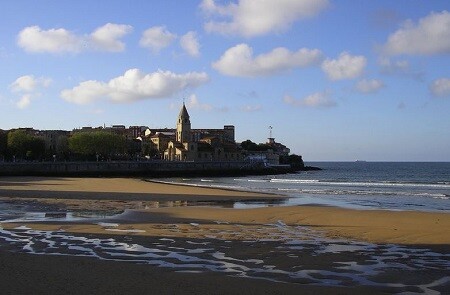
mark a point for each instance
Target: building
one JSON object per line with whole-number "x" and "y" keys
{"x": 201, "y": 144}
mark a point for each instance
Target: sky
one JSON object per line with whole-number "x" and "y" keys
{"x": 336, "y": 80}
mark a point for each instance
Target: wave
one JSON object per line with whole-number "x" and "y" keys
{"x": 365, "y": 192}
{"x": 252, "y": 180}
{"x": 364, "y": 184}
{"x": 295, "y": 180}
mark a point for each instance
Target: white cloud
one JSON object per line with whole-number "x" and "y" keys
{"x": 189, "y": 42}
{"x": 440, "y": 87}
{"x": 315, "y": 100}
{"x": 392, "y": 67}
{"x": 239, "y": 61}
{"x": 24, "y": 101}
{"x": 369, "y": 86}
{"x": 29, "y": 87}
{"x": 34, "y": 39}
{"x": 398, "y": 67}
{"x": 29, "y": 83}
{"x": 194, "y": 103}
{"x": 105, "y": 38}
{"x": 134, "y": 85}
{"x": 251, "y": 108}
{"x": 156, "y": 38}
{"x": 345, "y": 67}
{"x": 430, "y": 36}
{"x": 250, "y": 18}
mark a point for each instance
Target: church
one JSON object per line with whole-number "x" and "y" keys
{"x": 201, "y": 144}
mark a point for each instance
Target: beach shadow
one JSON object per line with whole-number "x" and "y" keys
{"x": 29, "y": 181}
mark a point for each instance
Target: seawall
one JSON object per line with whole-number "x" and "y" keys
{"x": 137, "y": 168}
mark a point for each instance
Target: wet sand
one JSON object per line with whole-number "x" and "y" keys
{"x": 200, "y": 223}
{"x": 379, "y": 226}
{"x": 39, "y": 274}
{"x": 116, "y": 189}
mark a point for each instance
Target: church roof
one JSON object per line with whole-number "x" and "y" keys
{"x": 183, "y": 112}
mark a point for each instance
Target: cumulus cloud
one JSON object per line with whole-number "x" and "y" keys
{"x": 238, "y": 61}
{"x": 369, "y": 86}
{"x": 24, "y": 101}
{"x": 189, "y": 42}
{"x": 156, "y": 38}
{"x": 431, "y": 35}
{"x": 29, "y": 83}
{"x": 34, "y": 39}
{"x": 345, "y": 67}
{"x": 440, "y": 87}
{"x": 134, "y": 85}
{"x": 29, "y": 87}
{"x": 105, "y": 38}
{"x": 250, "y": 18}
{"x": 315, "y": 100}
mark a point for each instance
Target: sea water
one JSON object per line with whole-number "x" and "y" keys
{"x": 362, "y": 185}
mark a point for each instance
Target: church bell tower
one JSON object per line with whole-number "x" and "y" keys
{"x": 183, "y": 134}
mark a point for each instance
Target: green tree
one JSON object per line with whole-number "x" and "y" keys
{"x": 62, "y": 146}
{"x": 96, "y": 143}
{"x": 3, "y": 144}
{"x": 23, "y": 145}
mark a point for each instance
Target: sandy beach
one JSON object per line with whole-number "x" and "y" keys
{"x": 163, "y": 211}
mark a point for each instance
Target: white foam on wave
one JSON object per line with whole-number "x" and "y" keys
{"x": 276, "y": 180}
{"x": 367, "y": 192}
{"x": 365, "y": 184}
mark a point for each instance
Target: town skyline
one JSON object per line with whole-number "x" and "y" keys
{"x": 340, "y": 81}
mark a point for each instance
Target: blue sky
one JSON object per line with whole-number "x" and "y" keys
{"x": 337, "y": 80}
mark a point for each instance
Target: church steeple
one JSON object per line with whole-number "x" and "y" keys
{"x": 183, "y": 126}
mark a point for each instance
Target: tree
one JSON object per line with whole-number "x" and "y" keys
{"x": 62, "y": 145}
{"x": 23, "y": 145}
{"x": 96, "y": 143}
{"x": 249, "y": 145}
{"x": 3, "y": 143}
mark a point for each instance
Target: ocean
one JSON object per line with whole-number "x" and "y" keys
{"x": 360, "y": 185}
